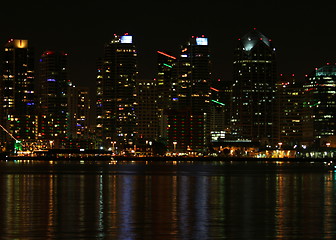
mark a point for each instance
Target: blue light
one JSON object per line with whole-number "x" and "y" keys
{"x": 202, "y": 41}
{"x": 51, "y": 80}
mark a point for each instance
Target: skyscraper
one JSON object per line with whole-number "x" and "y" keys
{"x": 289, "y": 105}
{"x": 191, "y": 87}
{"x": 319, "y": 106}
{"x": 190, "y": 98}
{"x": 166, "y": 69}
{"x": 116, "y": 96}
{"x": 253, "y": 90}
{"x": 147, "y": 110}
{"x": 53, "y": 98}
{"x": 17, "y": 92}
{"x": 79, "y": 111}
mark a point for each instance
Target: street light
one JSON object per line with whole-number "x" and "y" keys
{"x": 175, "y": 143}
{"x": 280, "y": 144}
{"x": 113, "y": 147}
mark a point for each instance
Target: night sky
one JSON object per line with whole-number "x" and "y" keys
{"x": 304, "y": 35}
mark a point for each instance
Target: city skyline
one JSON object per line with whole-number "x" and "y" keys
{"x": 191, "y": 119}
{"x": 151, "y": 72}
{"x": 303, "y": 42}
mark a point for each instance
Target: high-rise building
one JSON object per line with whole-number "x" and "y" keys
{"x": 191, "y": 86}
{"x": 53, "y": 98}
{"x": 190, "y": 96}
{"x": 166, "y": 70}
{"x": 79, "y": 111}
{"x": 319, "y": 107}
{"x": 220, "y": 110}
{"x": 116, "y": 96}
{"x": 18, "y": 114}
{"x": 289, "y": 107}
{"x": 147, "y": 110}
{"x": 253, "y": 90}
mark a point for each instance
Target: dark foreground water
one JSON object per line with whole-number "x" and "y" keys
{"x": 160, "y": 200}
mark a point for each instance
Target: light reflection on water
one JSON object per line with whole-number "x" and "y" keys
{"x": 200, "y": 200}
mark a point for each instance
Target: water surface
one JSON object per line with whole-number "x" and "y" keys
{"x": 167, "y": 200}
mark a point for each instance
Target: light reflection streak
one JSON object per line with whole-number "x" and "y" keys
{"x": 125, "y": 204}
{"x": 186, "y": 204}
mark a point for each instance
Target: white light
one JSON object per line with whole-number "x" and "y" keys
{"x": 202, "y": 41}
{"x": 126, "y": 39}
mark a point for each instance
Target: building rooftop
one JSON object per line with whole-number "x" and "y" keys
{"x": 328, "y": 70}
{"x": 252, "y": 38}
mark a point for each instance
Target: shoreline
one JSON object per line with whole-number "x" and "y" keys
{"x": 153, "y": 159}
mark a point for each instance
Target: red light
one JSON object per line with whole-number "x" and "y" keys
{"x": 165, "y": 54}
{"x": 214, "y": 89}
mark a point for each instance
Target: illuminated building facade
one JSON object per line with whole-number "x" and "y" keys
{"x": 116, "y": 96}
{"x": 185, "y": 131}
{"x": 147, "y": 110}
{"x": 190, "y": 94}
{"x": 79, "y": 115}
{"x": 220, "y": 110}
{"x": 319, "y": 105}
{"x": 18, "y": 113}
{"x": 53, "y": 98}
{"x": 166, "y": 70}
{"x": 253, "y": 90}
{"x": 289, "y": 108}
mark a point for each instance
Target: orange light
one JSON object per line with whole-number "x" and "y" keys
{"x": 165, "y": 54}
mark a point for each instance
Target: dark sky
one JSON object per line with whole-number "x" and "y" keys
{"x": 303, "y": 33}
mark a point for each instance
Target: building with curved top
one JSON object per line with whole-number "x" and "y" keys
{"x": 319, "y": 105}
{"x": 17, "y": 93}
{"x": 253, "y": 91}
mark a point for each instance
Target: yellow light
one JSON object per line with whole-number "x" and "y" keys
{"x": 19, "y": 43}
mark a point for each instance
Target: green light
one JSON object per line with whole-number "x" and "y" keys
{"x": 223, "y": 104}
{"x": 18, "y": 145}
{"x": 168, "y": 65}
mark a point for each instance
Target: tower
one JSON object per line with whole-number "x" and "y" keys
{"x": 166, "y": 70}
{"x": 319, "y": 107}
{"x": 116, "y": 96}
{"x": 188, "y": 120}
{"x": 289, "y": 105}
{"x": 79, "y": 117}
{"x": 17, "y": 92}
{"x": 53, "y": 98}
{"x": 253, "y": 90}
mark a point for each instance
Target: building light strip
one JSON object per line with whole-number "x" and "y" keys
{"x": 165, "y": 54}
{"x": 223, "y": 104}
{"x": 214, "y": 89}
{"x": 168, "y": 65}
